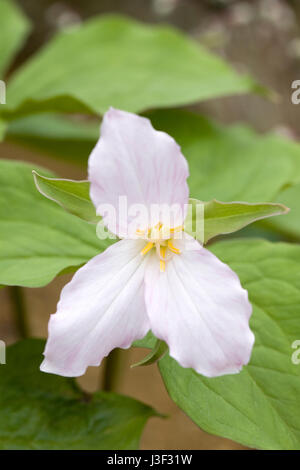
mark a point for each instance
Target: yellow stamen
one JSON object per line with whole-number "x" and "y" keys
{"x": 179, "y": 228}
{"x": 140, "y": 232}
{"x": 146, "y": 248}
{"x": 162, "y": 263}
{"x": 173, "y": 248}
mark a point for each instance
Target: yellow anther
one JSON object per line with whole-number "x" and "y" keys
{"x": 179, "y": 228}
{"x": 146, "y": 248}
{"x": 162, "y": 263}
{"x": 160, "y": 237}
{"x": 173, "y": 248}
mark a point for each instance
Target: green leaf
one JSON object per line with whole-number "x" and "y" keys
{"x": 206, "y": 220}
{"x": 116, "y": 61}
{"x": 290, "y": 226}
{"x": 38, "y": 239}
{"x": 230, "y": 163}
{"x": 44, "y": 411}
{"x": 73, "y": 196}
{"x": 155, "y": 355}
{"x": 260, "y": 406}
{"x": 14, "y": 28}
{"x": 56, "y": 135}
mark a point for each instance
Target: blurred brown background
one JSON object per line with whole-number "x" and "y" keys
{"x": 260, "y": 37}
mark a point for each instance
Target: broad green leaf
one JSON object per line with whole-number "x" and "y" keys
{"x": 116, "y": 61}
{"x": 56, "y": 135}
{"x": 257, "y": 230}
{"x": 14, "y": 28}
{"x": 290, "y": 226}
{"x": 206, "y": 220}
{"x": 260, "y": 406}
{"x": 44, "y": 411}
{"x": 38, "y": 239}
{"x": 230, "y": 163}
{"x": 155, "y": 355}
{"x": 73, "y": 196}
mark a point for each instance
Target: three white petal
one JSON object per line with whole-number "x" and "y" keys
{"x": 197, "y": 305}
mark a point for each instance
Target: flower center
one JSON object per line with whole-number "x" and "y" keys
{"x": 162, "y": 239}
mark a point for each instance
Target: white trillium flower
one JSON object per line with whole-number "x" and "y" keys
{"x": 151, "y": 281}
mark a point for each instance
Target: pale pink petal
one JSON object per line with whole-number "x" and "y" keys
{"x": 134, "y": 160}
{"x": 102, "y": 308}
{"x": 200, "y": 309}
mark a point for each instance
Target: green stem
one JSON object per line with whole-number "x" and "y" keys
{"x": 111, "y": 371}
{"x": 18, "y": 303}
